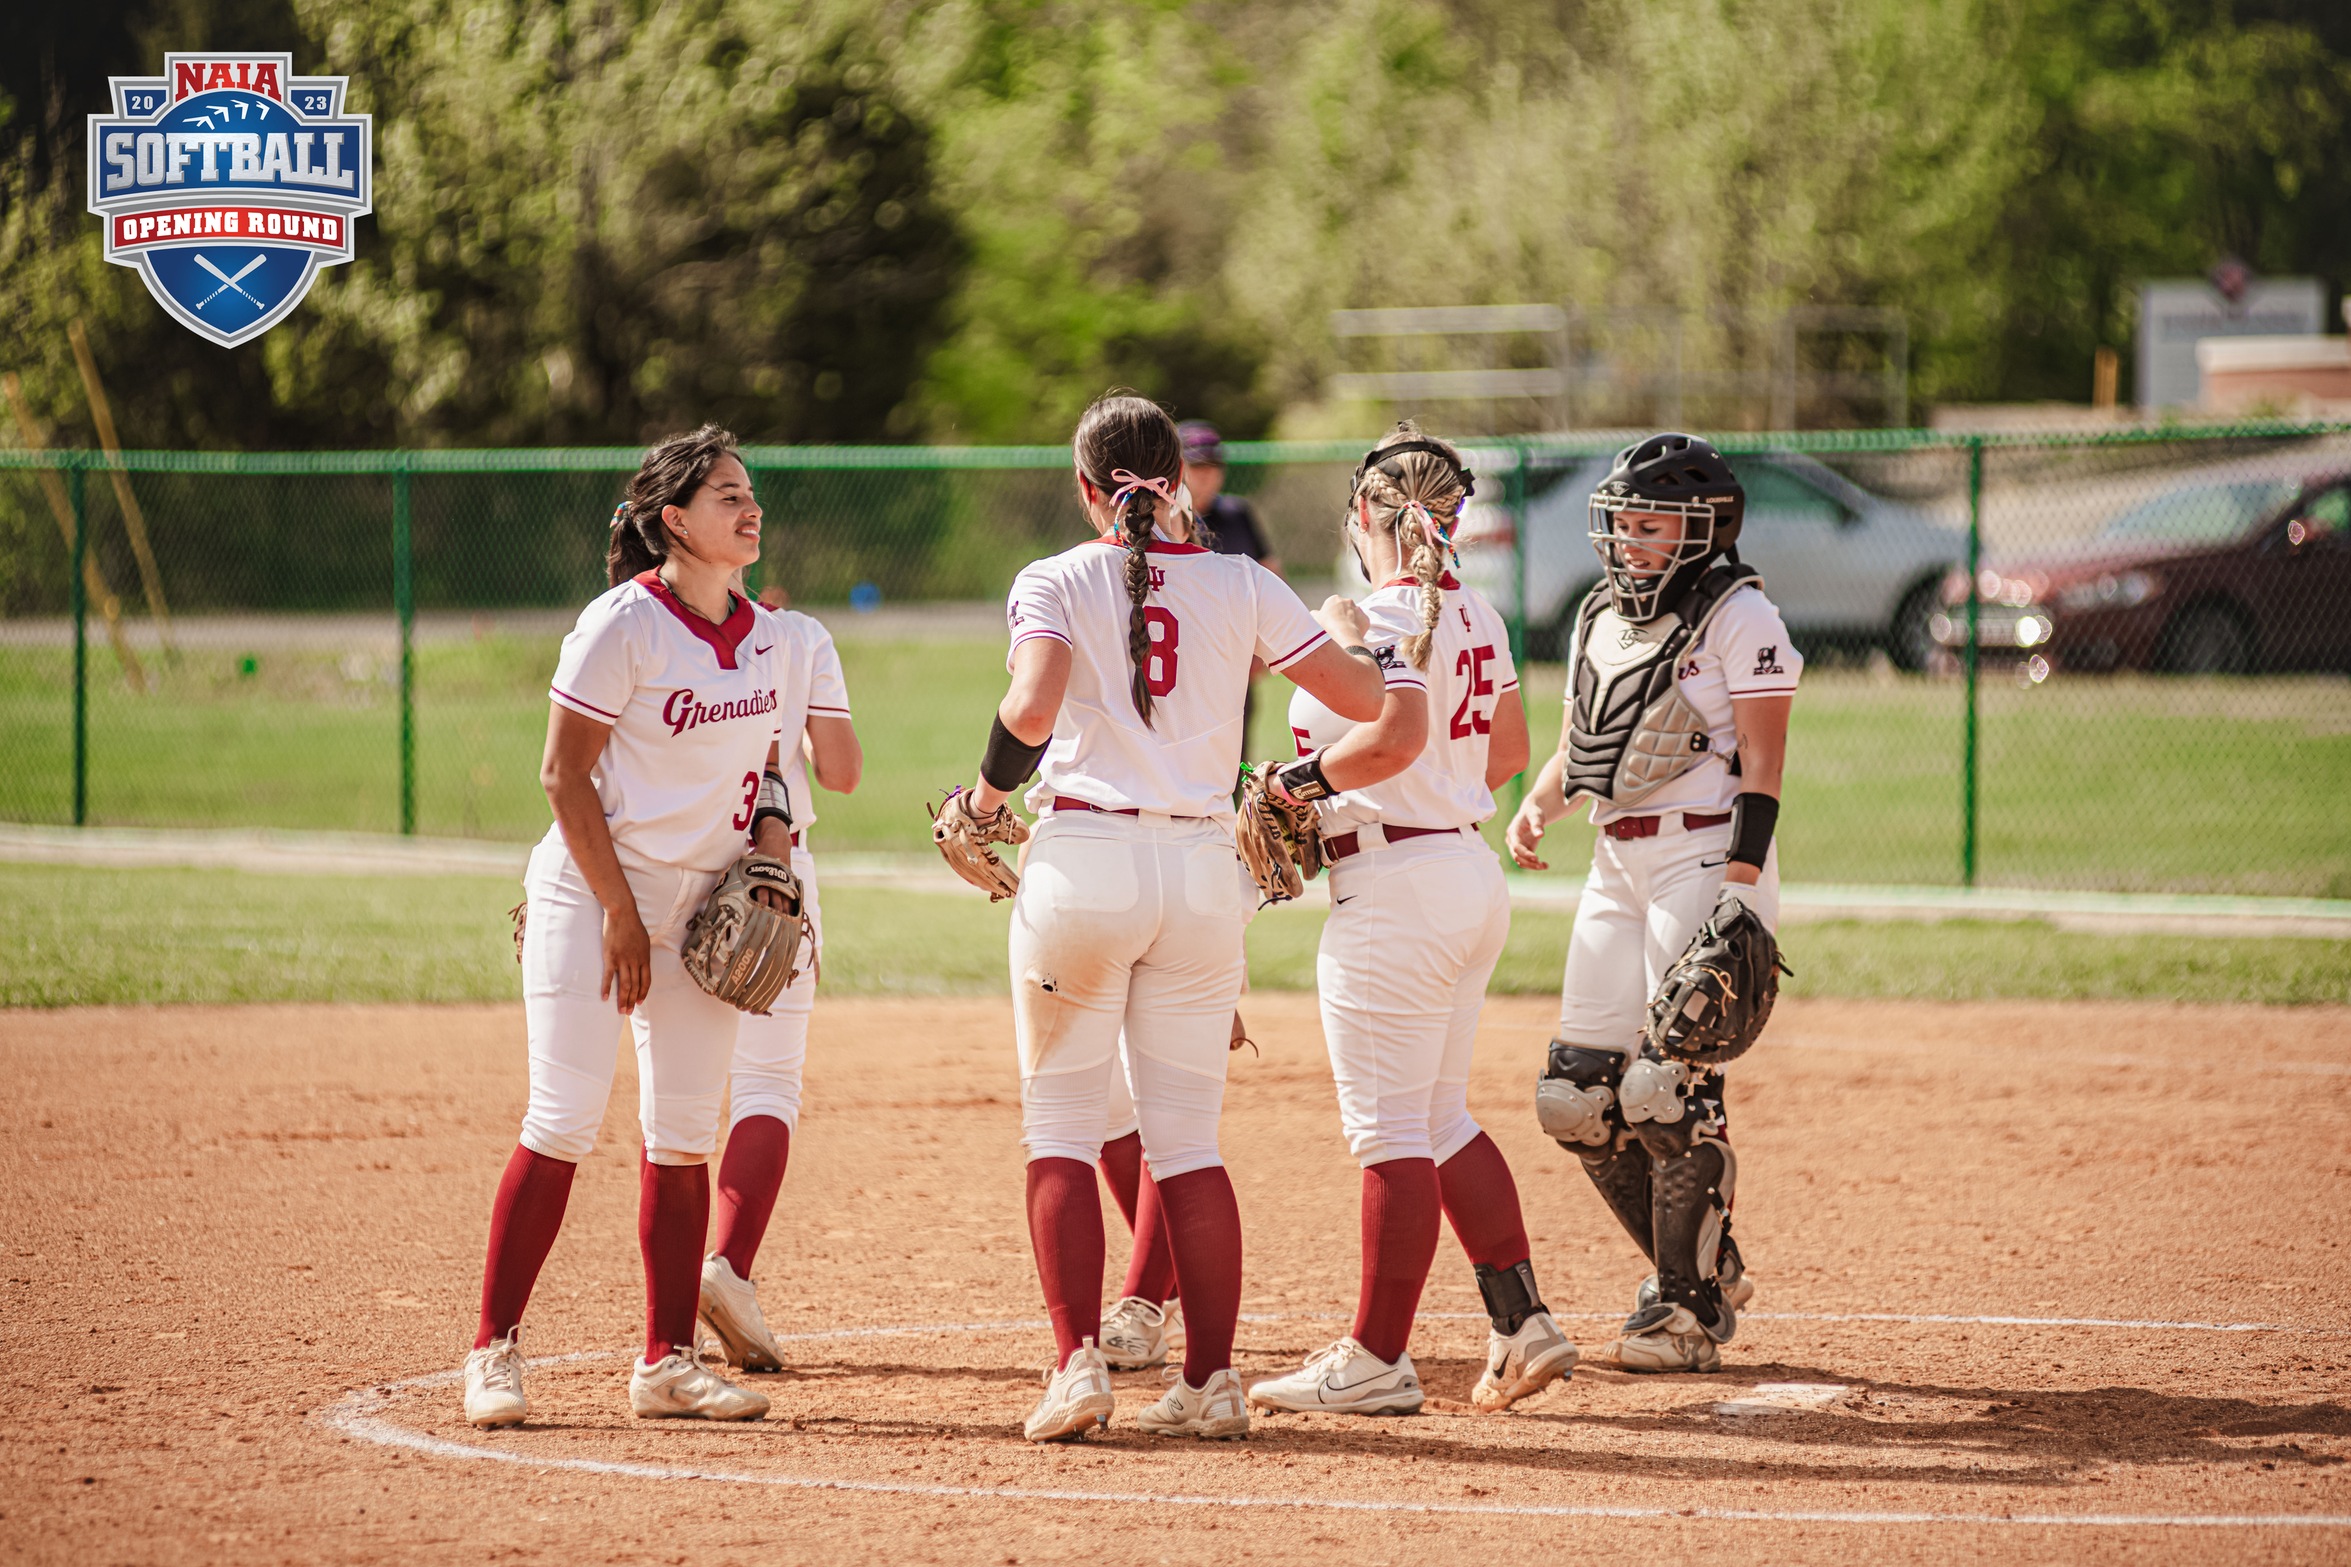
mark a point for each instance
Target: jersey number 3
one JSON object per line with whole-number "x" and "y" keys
{"x": 1467, "y": 719}
{"x": 1159, "y": 665}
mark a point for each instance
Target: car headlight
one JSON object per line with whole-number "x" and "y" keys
{"x": 2033, "y": 630}
{"x": 2115, "y": 590}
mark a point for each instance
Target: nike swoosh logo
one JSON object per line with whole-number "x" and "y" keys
{"x": 767, "y": 649}
{"x": 1350, "y": 898}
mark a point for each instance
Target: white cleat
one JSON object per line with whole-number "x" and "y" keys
{"x": 1523, "y": 1363}
{"x": 1344, "y": 1379}
{"x": 1134, "y": 1335}
{"x": 679, "y": 1387}
{"x": 493, "y": 1382}
{"x": 1216, "y": 1412}
{"x": 1667, "y": 1338}
{"x": 1076, "y": 1397}
{"x": 730, "y": 1308}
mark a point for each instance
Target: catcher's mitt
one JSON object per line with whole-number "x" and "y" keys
{"x": 964, "y": 837}
{"x": 1277, "y": 837}
{"x": 738, "y": 948}
{"x": 1716, "y": 998}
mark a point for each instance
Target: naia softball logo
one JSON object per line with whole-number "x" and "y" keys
{"x": 228, "y": 182}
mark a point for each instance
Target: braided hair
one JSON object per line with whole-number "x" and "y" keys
{"x": 1420, "y": 503}
{"x": 672, "y": 470}
{"x": 1125, "y": 443}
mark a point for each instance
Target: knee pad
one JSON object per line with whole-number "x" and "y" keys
{"x": 1668, "y": 1103}
{"x": 1576, "y": 1099}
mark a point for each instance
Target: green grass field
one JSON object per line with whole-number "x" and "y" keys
{"x": 2134, "y": 784}
{"x": 76, "y": 936}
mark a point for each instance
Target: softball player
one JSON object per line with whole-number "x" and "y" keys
{"x": 1129, "y": 659}
{"x": 664, "y": 715}
{"x": 770, "y": 1050}
{"x": 1418, "y": 916}
{"x": 1680, "y": 679}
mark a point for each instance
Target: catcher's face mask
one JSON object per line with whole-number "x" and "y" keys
{"x": 1642, "y": 543}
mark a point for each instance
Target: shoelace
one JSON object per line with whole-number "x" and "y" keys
{"x": 503, "y": 1371}
{"x": 1330, "y": 1355}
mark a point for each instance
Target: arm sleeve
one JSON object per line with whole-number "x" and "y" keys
{"x": 828, "y": 691}
{"x": 1751, "y": 641}
{"x": 598, "y": 666}
{"x": 1035, "y": 609}
{"x": 1286, "y": 633}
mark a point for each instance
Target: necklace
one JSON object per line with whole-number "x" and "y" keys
{"x": 719, "y": 619}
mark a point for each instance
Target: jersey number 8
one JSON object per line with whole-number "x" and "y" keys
{"x": 1159, "y": 665}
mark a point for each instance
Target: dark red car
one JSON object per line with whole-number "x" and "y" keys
{"x": 2215, "y": 577}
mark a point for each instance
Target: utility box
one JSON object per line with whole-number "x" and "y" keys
{"x": 2177, "y": 314}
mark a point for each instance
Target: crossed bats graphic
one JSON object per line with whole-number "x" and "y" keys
{"x": 228, "y": 282}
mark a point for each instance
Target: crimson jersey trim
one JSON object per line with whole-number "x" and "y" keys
{"x": 1300, "y": 651}
{"x": 724, "y": 640}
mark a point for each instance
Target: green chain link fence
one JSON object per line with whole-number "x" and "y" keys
{"x": 2107, "y": 662}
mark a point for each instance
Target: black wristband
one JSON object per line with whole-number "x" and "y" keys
{"x": 1008, "y": 761}
{"x": 1303, "y": 779}
{"x": 1753, "y": 818}
{"x": 775, "y": 799}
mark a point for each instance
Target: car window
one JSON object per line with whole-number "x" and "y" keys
{"x": 2202, "y": 513}
{"x": 1771, "y": 488}
{"x": 2325, "y": 522}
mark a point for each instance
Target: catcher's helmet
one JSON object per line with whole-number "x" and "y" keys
{"x": 1676, "y": 475}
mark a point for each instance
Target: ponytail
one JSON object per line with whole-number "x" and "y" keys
{"x": 1128, "y": 448}
{"x": 1134, "y": 531}
{"x": 1416, "y": 495}
{"x": 635, "y": 549}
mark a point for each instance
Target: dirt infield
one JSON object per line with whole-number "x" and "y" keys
{"x": 244, "y": 1246}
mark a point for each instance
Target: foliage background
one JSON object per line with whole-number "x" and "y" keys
{"x": 956, "y": 220}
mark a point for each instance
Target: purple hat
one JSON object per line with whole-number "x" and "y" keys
{"x": 1202, "y": 444}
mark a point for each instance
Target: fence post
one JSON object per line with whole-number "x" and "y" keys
{"x": 1518, "y": 598}
{"x": 74, "y": 486}
{"x": 1968, "y": 657}
{"x": 404, "y": 604}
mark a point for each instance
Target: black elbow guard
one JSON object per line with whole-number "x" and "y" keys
{"x": 1008, "y": 761}
{"x": 1754, "y": 817}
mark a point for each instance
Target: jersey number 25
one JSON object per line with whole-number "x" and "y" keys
{"x": 1467, "y": 719}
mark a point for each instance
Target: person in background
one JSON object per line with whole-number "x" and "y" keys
{"x": 1227, "y": 524}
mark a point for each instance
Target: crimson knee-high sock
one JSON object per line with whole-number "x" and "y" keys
{"x": 1122, "y": 1171}
{"x": 1204, "y": 1237}
{"x": 1065, "y": 1232}
{"x": 673, "y": 1219}
{"x": 524, "y": 1217}
{"x": 1151, "y": 1269}
{"x": 748, "y": 1179}
{"x": 1482, "y": 1201}
{"x": 1400, "y": 1205}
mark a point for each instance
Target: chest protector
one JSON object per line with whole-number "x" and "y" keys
{"x": 1629, "y": 730}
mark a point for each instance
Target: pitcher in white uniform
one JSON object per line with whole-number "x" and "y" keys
{"x": 816, "y": 742}
{"x": 1680, "y": 680}
{"x": 1130, "y": 660}
{"x": 1419, "y": 913}
{"x": 661, "y": 726}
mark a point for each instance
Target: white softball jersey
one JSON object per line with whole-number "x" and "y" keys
{"x": 1469, "y": 671}
{"x": 693, "y": 709}
{"x": 1209, "y": 615}
{"x": 809, "y": 685}
{"x": 1745, "y": 652}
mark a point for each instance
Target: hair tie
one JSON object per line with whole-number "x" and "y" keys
{"x": 1129, "y": 483}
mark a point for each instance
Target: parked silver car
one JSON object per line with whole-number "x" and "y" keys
{"x": 1846, "y": 567}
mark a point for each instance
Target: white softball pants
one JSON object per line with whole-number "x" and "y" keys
{"x": 1643, "y": 901}
{"x": 771, "y": 1051}
{"x": 1132, "y": 923}
{"x": 1414, "y": 932}
{"x": 685, "y": 1037}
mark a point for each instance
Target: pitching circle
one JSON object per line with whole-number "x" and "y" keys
{"x": 360, "y": 1415}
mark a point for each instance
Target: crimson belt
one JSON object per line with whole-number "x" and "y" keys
{"x": 1646, "y": 826}
{"x": 1348, "y": 844}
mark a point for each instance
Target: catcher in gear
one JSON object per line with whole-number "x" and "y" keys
{"x": 1680, "y": 681}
